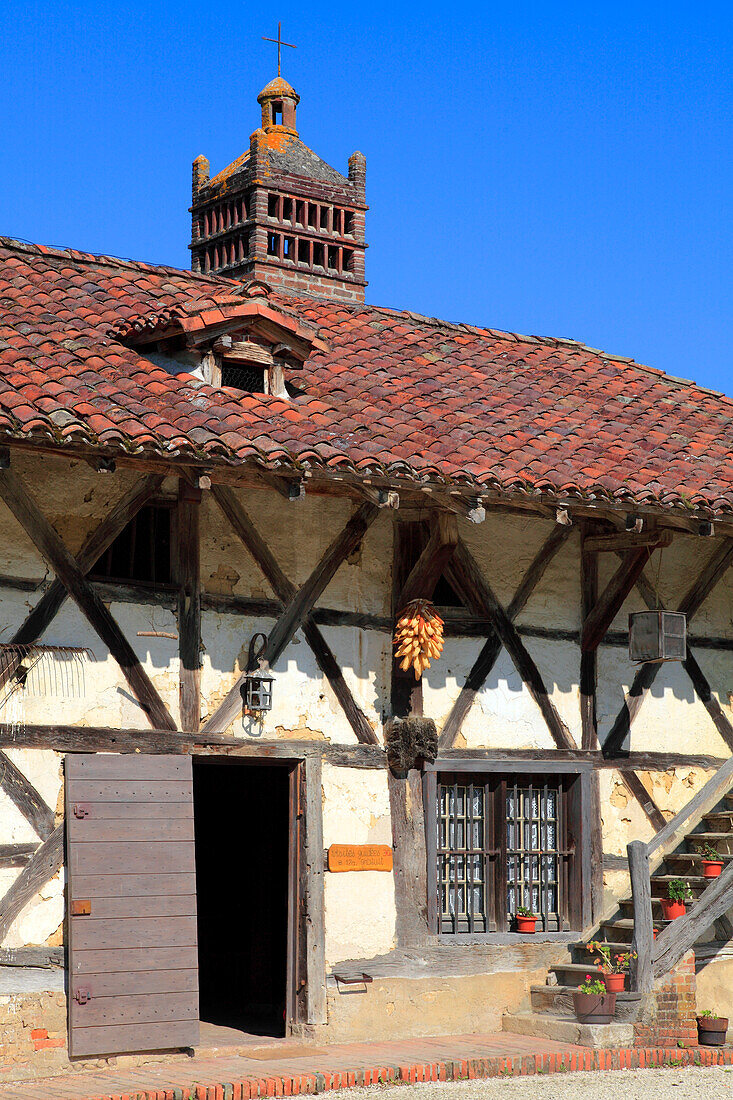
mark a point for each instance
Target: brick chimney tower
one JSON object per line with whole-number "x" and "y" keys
{"x": 281, "y": 214}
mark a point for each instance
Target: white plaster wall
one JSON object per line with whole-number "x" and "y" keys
{"x": 360, "y": 905}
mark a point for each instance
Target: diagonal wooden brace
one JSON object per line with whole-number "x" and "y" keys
{"x": 49, "y": 544}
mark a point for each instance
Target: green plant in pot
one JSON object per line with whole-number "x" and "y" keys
{"x": 613, "y": 966}
{"x": 593, "y": 1003}
{"x": 678, "y": 893}
{"x": 525, "y": 918}
{"x": 712, "y": 861}
{"x": 711, "y": 1030}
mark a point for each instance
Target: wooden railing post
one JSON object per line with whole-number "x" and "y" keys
{"x": 640, "y": 969}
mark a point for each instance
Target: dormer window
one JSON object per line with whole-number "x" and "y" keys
{"x": 246, "y": 379}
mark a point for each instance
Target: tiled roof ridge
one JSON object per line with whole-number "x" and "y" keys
{"x": 105, "y": 260}
{"x": 434, "y": 322}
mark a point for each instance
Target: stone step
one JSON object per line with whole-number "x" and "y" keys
{"x": 566, "y": 1029}
{"x": 557, "y": 1000}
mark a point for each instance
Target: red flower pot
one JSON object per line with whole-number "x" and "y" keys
{"x": 673, "y": 909}
{"x": 594, "y": 1008}
{"x": 614, "y": 983}
{"x": 711, "y": 1030}
{"x": 526, "y": 924}
{"x": 711, "y": 868}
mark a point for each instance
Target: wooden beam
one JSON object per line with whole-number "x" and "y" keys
{"x": 24, "y": 795}
{"x": 287, "y": 593}
{"x": 189, "y": 606}
{"x": 627, "y": 540}
{"x": 465, "y": 576}
{"x": 95, "y": 545}
{"x": 645, "y": 800}
{"x": 428, "y": 568}
{"x": 49, "y": 544}
{"x": 492, "y": 647}
{"x": 588, "y": 658}
{"x": 41, "y": 867}
{"x": 315, "y": 922}
{"x": 681, "y": 934}
{"x": 641, "y": 893}
{"x": 611, "y": 600}
{"x": 16, "y": 855}
{"x": 410, "y": 857}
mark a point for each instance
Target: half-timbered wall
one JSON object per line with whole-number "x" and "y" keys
{"x": 360, "y": 909}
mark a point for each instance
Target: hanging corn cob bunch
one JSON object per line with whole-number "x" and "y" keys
{"x": 418, "y": 636}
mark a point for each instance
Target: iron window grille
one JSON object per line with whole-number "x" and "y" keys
{"x": 143, "y": 550}
{"x": 501, "y": 843}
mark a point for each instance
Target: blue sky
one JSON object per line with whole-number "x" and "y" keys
{"x": 559, "y": 169}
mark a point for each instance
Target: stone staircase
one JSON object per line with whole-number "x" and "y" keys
{"x": 551, "y": 1005}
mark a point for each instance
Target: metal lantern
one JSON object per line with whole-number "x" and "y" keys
{"x": 258, "y": 681}
{"x": 657, "y": 636}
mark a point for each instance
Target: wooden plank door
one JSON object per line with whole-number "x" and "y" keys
{"x": 133, "y": 962}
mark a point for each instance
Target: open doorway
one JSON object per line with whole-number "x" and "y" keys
{"x": 242, "y": 831}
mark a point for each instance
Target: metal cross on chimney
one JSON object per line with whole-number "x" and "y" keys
{"x": 280, "y": 44}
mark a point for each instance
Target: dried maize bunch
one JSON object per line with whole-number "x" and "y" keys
{"x": 418, "y": 636}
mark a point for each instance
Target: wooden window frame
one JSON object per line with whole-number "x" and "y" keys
{"x": 582, "y": 827}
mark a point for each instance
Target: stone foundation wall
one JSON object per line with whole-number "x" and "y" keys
{"x": 668, "y": 1019}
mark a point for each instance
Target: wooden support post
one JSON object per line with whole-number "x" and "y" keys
{"x": 682, "y": 934}
{"x": 588, "y": 717}
{"x": 410, "y": 857}
{"x": 465, "y": 576}
{"x": 315, "y": 927}
{"x": 641, "y": 893}
{"x": 189, "y": 606}
{"x": 48, "y": 543}
{"x": 405, "y": 690}
{"x": 492, "y": 647}
{"x": 428, "y": 568}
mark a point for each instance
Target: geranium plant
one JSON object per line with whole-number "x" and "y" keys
{"x": 613, "y": 964}
{"x": 594, "y": 987}
{"x": 708, "y": 851}
{"x": 679, "y": 890}
{"x": 523, "y": 911}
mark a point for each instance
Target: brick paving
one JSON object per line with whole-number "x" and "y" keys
{"x": 276, "y": 1072}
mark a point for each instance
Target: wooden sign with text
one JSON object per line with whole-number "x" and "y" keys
{"x": 360, "y": 857}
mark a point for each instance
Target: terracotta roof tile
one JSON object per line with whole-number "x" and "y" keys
{"x": 395, "y": 393}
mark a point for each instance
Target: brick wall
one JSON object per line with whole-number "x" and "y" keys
{"x": 668, "y": 1018}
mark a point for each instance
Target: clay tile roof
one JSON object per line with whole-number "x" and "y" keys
{"x": 383, "y": 392}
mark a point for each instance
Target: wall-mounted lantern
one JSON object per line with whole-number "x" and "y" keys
{"x": 257, "y": 686}
{"x": 657, "y": 636}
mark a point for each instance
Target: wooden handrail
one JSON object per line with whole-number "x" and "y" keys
{"x": 718, "y": 785}
{"x": 679, "y": 936}
{"x": 656, "y": 957}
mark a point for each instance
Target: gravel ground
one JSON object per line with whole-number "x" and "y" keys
{"x": 689, "y": 1083}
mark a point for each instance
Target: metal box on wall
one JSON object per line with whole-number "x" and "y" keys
{"x": 657, "y": 636}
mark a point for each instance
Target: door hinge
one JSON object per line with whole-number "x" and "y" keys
{"x": 81, "y": 810}
{"x": 82, "y": 996}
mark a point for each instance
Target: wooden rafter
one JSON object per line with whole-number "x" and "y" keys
{"x": 49, "y": 544}
{"x": 287, "y": 592}
{"x": 712, "y": 572}
{"x": 95, "y": 545}
{"x": 466, "y": 577}
{"x": 492, "y": 647}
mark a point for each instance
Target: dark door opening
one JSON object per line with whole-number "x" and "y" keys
{"x": 242, "y": 832}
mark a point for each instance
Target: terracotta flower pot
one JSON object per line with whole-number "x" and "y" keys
{"x": 711, "y": 1030}
{"x": 594, "y": 1008}
{"x": 614, "y": 983}
{"x": 526, "y": 924}
{"x": 711, "y": 868}
{"x": 673, "y": 909}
